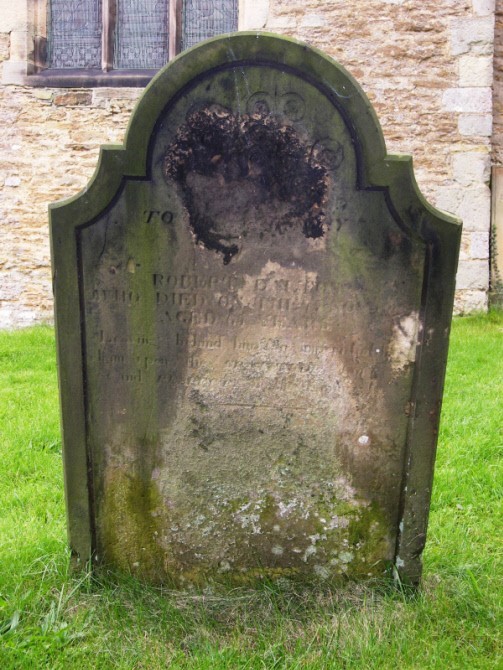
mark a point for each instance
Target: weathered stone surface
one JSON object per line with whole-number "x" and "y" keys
{"x": 472, "y": 35}
{"x": 470, "y": 301}
{"x": 471, "y": 204}
{"x": 474, "y": 125}
{"x": 73, "y": 98}
{"x": 253, "y": 15}
{"x": 471, "y": 167}
{"x": 475, "y": 71}
{"x": 483, "y": 7}
{"x": 472, "y": 277}
{"x": 252, "y": 376}
{"x": 479, "y": 245}
{"x": 467, "y": 100}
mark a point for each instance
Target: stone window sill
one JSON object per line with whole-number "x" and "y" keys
{"x": 73, "y": 78}
{"x": 90, "y": 78}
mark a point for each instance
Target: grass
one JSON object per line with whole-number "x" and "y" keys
{"x": 50, "y": 618}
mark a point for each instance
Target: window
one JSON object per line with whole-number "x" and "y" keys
{"x": 122, "y": 42}
{"x": 207, "y": 18}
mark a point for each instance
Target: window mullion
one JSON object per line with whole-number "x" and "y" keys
{"x": 109, "y": 20}
{"x": 175, "y": 27}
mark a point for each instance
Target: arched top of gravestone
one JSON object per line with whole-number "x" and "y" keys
{"x": 375, "y": 168}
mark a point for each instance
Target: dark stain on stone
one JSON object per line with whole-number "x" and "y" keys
{"x": 232, "y": 169}
{"x": 227, "y": 84}
{"x": 396, "y": 242}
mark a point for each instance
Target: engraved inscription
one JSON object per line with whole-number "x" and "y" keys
{"x": 206, "y": 300}
{"x": 152, "y": 216}
{"x": 211, "y": 315}
{"x": 291, "y": 104}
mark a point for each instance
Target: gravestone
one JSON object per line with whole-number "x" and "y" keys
{"x": 253, "y": 305}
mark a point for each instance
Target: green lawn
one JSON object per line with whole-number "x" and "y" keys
{"x": 50, "y": 618}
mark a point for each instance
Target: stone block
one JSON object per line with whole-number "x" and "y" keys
{"x": 72, "y": 98}
{"x": 468, "y": 301}
{"x": 18, "y": 45}
{"x": 475, "y": 125}
{"x": 479, "y": 245}
{"x": 448, "y": 198}
{"x": 253, "y": 14}
{"x": 281, "y": 23}
{"x": 472, "y": 275}
{"x": 42, "y": 93}
{"x": 471, "y": 166}
{"x": 483, "y": 7}
{"x": 472, "y": 35}
{"x": 475, "y": 71}
{"x": 467, "y": 100}
{"x": 472, "y": 205}
{"x": 313, "y": 21}
{"x": 14, "y": 72}
{"x": 14, "y": 16}
{"x": 475, "y": 209}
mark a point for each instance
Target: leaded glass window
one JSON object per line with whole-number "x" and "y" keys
{"x": 75, "y": 28}
{"x": 141, "y": 34}
{"x": 125, "y": 35}
{"x": 207, "y": 18}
